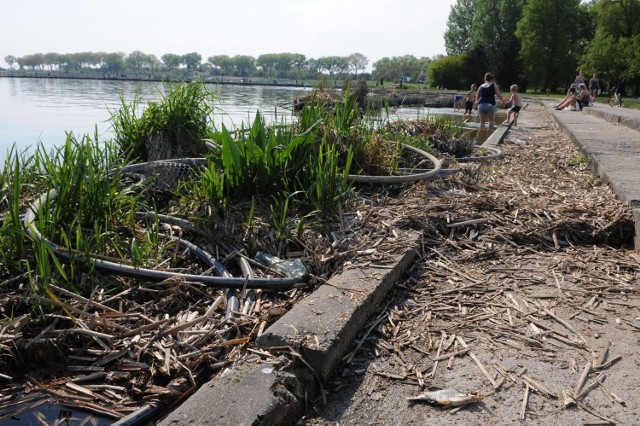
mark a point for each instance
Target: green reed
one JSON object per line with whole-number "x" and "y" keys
{"x": 11, "y": 232}
{"x": 174, "y": 126}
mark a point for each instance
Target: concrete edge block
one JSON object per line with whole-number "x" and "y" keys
{"x": 497, "y": 137}
{"x": 615, "y": 117}
{"x": 609, "y": 116}
{"x": 598, "y": 171}
{"x": 636, "y": 220}
{"x": 248, "y": 394}
{"x": 323, "y": 326}
{"x": 270, "y": 394}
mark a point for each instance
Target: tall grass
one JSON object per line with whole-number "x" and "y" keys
{"x": 11, "y": 233}
{"x": 92, "y": 211}
{"x": 173, "y": 127}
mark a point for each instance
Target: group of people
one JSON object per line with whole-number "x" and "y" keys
{"x": 484, "y": 99}
{"x": 579, "y": 96}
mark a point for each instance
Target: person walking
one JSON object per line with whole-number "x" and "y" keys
{"x": 594, "y": 87}
{"x": 516, "y": 105}
{"x": 486, "y": 100}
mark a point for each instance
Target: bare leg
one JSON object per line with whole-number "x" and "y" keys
{"x": 483, "y": 118}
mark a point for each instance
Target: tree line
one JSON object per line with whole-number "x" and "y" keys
{"x": 541, "y": 43}
{"x": 293, "y": 66}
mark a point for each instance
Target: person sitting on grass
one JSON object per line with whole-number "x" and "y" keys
{"x": 516, "y": 105}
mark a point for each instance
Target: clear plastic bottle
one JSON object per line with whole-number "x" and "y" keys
{"x": 290, "y": 268}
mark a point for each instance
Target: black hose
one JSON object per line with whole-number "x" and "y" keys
{"x": 133, "y": 271}
{"x": 403, "y": 178}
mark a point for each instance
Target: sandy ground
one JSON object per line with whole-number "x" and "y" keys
{"x": 532, "y": 306}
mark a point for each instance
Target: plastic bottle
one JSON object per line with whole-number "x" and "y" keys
{"x": 290, "y": 268}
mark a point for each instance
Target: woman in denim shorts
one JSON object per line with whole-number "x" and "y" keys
{"x": 486, "y": 100}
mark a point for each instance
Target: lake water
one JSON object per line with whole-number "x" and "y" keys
{"x": 41, "y": 110}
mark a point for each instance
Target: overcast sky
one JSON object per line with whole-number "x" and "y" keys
{"x": 314, "y": 28}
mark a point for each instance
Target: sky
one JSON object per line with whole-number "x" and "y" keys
{"x": 314, "y": 28}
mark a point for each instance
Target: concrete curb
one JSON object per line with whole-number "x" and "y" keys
{"x": 615, "y": 116}
{"x": 497, "y": 136}
{"x": 622, "y": 175}
{"x": 318, "y": 331}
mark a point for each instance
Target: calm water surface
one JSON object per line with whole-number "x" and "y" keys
{"x": 36, "y": 110}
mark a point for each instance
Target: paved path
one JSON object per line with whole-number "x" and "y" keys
{"x": 609, "y": 137}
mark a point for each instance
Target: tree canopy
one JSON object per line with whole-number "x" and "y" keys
{"x": 542, "y": 43}
{"x": 270, "y": 65}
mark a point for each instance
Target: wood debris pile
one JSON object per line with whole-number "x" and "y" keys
{"x": 526, "y": 292}
{"x": 112, "y": 355}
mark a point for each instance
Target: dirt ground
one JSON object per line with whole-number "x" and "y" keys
{"x": 526, "y": 295}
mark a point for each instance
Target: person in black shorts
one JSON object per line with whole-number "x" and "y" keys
{"x": 516, "y": 105}
{"x": 469, "y": 99}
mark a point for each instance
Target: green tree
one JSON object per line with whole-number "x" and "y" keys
{"x": 222, "y": 63}
{"x": 284, "y": 64}
{"x": 138, "y": 61}
{"x": 10, "y": 60}
{"x": 244, "y": 65}
{"x": 457, "y": 36}
{"x": 619, "y": 18}
{"x": 52, "y": 60}
{"x": 171, "y": 61}
{"x": 613, "y": 52}
{"x": 607, "y": 55}
{"x": 549, "y": 48}
{"x": 114, "y": 62}
{"x": 268, "y": 62}
{"x": 494, "y": 24}
{"x": 135, "y": 61}
{"x": 192, "y": 60}
{"x": 358, "y": 61}
{"x": 298, "y": 61}
{"x": 395, "y": 67}
{"x": 449, "y": 72}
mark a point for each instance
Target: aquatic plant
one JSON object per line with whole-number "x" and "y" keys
{"x": 173, "y": 127}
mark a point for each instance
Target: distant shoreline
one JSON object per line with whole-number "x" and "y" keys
{"x": 156, "y": 78}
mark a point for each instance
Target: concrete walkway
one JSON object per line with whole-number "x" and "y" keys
{"x": 609, "y": 137}
{"x": 320, "y": 328}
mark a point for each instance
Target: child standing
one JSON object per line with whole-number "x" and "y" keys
{"x": 516, "y": 104}
{"x": 457, "y": 101}
{"x": 469, "y": 99}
